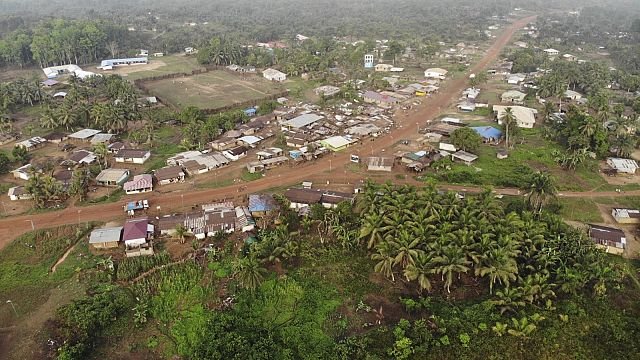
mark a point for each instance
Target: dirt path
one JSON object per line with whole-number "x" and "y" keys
{"x": 156, "y": 269}
{"x": 63, "y": 258}
{"x": 330, "y": 168}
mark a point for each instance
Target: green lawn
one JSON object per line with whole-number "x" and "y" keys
{"x": 172, "y": 64}
{"x": 580, "y": 209}
{"x": 213, "y": 89}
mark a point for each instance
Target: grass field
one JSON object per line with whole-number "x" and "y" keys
{"x": 160, "y": 66}
{"x": 213, "y": 89}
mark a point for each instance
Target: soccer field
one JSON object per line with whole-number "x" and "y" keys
{"x": 213, "y": 89}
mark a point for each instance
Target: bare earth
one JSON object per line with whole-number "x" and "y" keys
{"x": 318, "y": 171}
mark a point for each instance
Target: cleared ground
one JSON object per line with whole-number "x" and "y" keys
{"x": 213, "y": 89}
{"x": 157, "y": 66}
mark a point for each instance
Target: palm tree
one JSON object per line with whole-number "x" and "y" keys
{"x": 405, "y": 246}
{"x": 101, "y": 152}
{"x": 181, "y": 233}
{"x": 49, "y": 119}
{"x": 509, "y": 121}
{"x": 540, "y": 189}
{"x": 499, "y": 267}
{"x": 420, "y": 270}
{"x": 385, "y": 259}
{"x": 249, "y": 273}
{"x": 451, "y": 261}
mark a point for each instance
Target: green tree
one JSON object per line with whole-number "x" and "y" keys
{"x": 21, "y": 154}
{"x": 466, "y": 139}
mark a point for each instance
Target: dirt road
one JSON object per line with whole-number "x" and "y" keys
{"x": 329, "y": 168}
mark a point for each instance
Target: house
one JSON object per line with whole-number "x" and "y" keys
{"x": 274, "y": 75}
{"x": 223, "y": 143}
{"x": 236, "y": 153}
{"x": 133, "y": 156}
{"x": 109, "y": 64}
{"x": 489, "y": 133}
{"x": 626, "y": 216}
{"x": 55, "y": 71}
{"x": 136, "y": 232}
{"x": 362, "y": 130}
{"x": 464, "y": 156}
{"x": 139, "y": 184}
{"x": 471, "y": 93}
{"x": 572, "y": 95}
{"x": 525, "y": 117}
{"x": 49, "y": 83}
{"x": 626, "y": 166}
{"x": 301, "y": 121}
{"x": 383, "y": 67}
{"x": 249, "y": 140}
{"x": 167, "y": 224}
{"x": 379, "y": 163}
{"x": 244, "y": 220}
{"x": 515, "y": 79}
{"x": 379, "y": 99}
{"x": 396, "y": 69}
{"x": 56, "y": 137}
{"x": 81, "y": 157}
{"x": 113, "y": 148}
{"x": 513, "y": 96}
{"x": 299, "y": 198}
{"x": 466, "y": 106}
{"x": 410, "y": 157}
{"x": 24, "y": 172}
{"x": 611, "y": 239}
{"x": 551, "y": 52}
{"x": 214, "y": 218}
{"x": 18, "y": 193}
{"x": 64, "y": 177}
{"x": 262, "y": 204}
{"x": 569, "y": 57}
{"x": 35, "y": 142}
{"x": 196, "y": 162}
{"x": 327, "y": 90}
{"x": 60, "y": 94}
{"x": 169, "y": 175}
{"x": 190, "y": 50}
{"x": 105, "y": 238}
{"x": 331, "y": 199}
{"x": 336, "y": 143}
{"x": 436, "y": 73}
{"x": 84, "y": 134}
{"x": 521, "y": 44}
{"x": 101, "y": 138}
{"x": 112, "y": 177}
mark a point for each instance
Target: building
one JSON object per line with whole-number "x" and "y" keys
{"x": 24, "y": 172}
{"x": 101, "y": 138}
{"x": 18, "y": 193}
{"x": 56, "y": 137}
{"x": 525, "y": 117}
{"x": 336, "y": 143}
{"x": 196, "y": 162}
{"x": 551, "y": 52}
{"x": 236, "y": 153}
{"x": 274, "y": 75}
{"x": 111, "y": 63}
{"x": 139, "y": 184}
{"x": 569, "y": 57}
{"x": 81, "y": 157}
{"x": 113, "y": 177}
{"x": 133, "y": 156}
{"x": 572, "y": 95}
{"x": 471, "y": 93}
{"x": 515, "y": 79}
{"x": 464, "y": 156}
{"x": 105, "y": 238}
{"x": 71, "y": 69}
{"x": 513, "y": 96}
{"x": 379, "y": 163}
{"x": 169, "y": 175}
{"x": 383, "y": 67}
{"x": 244, "y": 220}
{"x": 262, "y": 204}
{"x": 266, "y": 163}
{"x": 521, "y": 44}
{"x": 84, "y": 134}
{"x": 626, "y": 216}
{"x": 136, "y": 232}
{"x": 489, "y": 133}
{"x": 379, "y": 99}
{"x": 368, "y": 61}
{"x": 299, "y": 198}
{"x": 327, "y": 90}
{"x": 331, "y": 199}
{"x": 249, "y": 140}
{"x": 612, "y": 240}
{"x": 436, "y": 73}
{"x": 35, "y": 142}
{"x": 626, "y": 166}
{"x": 301, "y": 121}
{"x": 396, "y": 69}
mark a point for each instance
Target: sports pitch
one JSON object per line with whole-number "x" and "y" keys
{"x": 213, "y": 89}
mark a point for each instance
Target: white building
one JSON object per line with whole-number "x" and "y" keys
{"x": 436, "y": 73}
{"x": 552, "y": 52}
{"x": 525, "y": 117}
{"x": 626, "y": 166}
{"x": 274, "y": 75}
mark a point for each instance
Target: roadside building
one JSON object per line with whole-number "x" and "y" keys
{"x": 436, "y": 73}
{"x": 105, "y": 238}
{"x": 132, "y": 156}
{"x": 380, "y": 163}
{"x": 612, "y": 240}
{"x": 525, "y": 117}
{"x": 19, "y": 193}
{"x": 274, "y": 75}
{"x": 626, "y": 216}
{"x": 33, "y": 143}
{"x": 139, "y": 184}
{"x": 625, "y": 166}
{"x": 262, "y": 204}
{"x": 169, "y": 175}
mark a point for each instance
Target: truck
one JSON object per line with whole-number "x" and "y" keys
{"x": 133, "y": 206}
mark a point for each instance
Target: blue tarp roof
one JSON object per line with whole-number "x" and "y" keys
{"x": 488, "y": 132}
{"x": 250, "y": 111}
{"x": 261, "y": 202}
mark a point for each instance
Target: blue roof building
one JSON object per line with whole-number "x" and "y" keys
{"x": 250, "y": 112}
{"x": 261, "y": 204}
{"x": 488, "y": 133}
{"x": 110, "y": 63}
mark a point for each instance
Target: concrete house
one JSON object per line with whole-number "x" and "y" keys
{"x": 33, "y": 143}
{"x": 139, "y": 184}
{"x": 373, "y": 97}
{"x": 105, "y": 238}
{"x": 236, "y": 153}
{"x": 612, "y": 240}
{"x": 262, "y": 204}
{"x": 383, "y": 67}
{"x": 112, "y": 177}
{"x": 133, "y": 156}
{"x": 299, "y": 198}
{"x": 625, "y": 166}
{"x": 378, "y": 163}
{"x": 551, "y": 52}
{"x": 18, "y": 193}
{"x": 626, "y": 216}
{"x": 572, "y": 95}
{"x": 169, "y": 175}
{"x": 136, "y": 232}
{"x": 513, "y": 96}
{"x": 274, "y": 75}
{"x": 525, "y": 117}
{"x": 436, "y": 73}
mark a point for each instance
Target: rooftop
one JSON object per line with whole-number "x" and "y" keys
{"x": 99, "y": 236}
{"x": 262, "y": 202}
{"x": 84, "y": 134}
{"x": 135, "y": 229}
{"x": 111, "y": 175}
{"x": 303, "y": 120}
{"x": 138, "y": 182}
{"x": 169, "y": 172}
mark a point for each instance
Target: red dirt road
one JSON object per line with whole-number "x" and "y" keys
{"x": 328, "y": 168}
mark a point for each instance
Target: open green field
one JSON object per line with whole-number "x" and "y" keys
{"x": 160, "y": 66}
{"x": 213, "y": 89}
